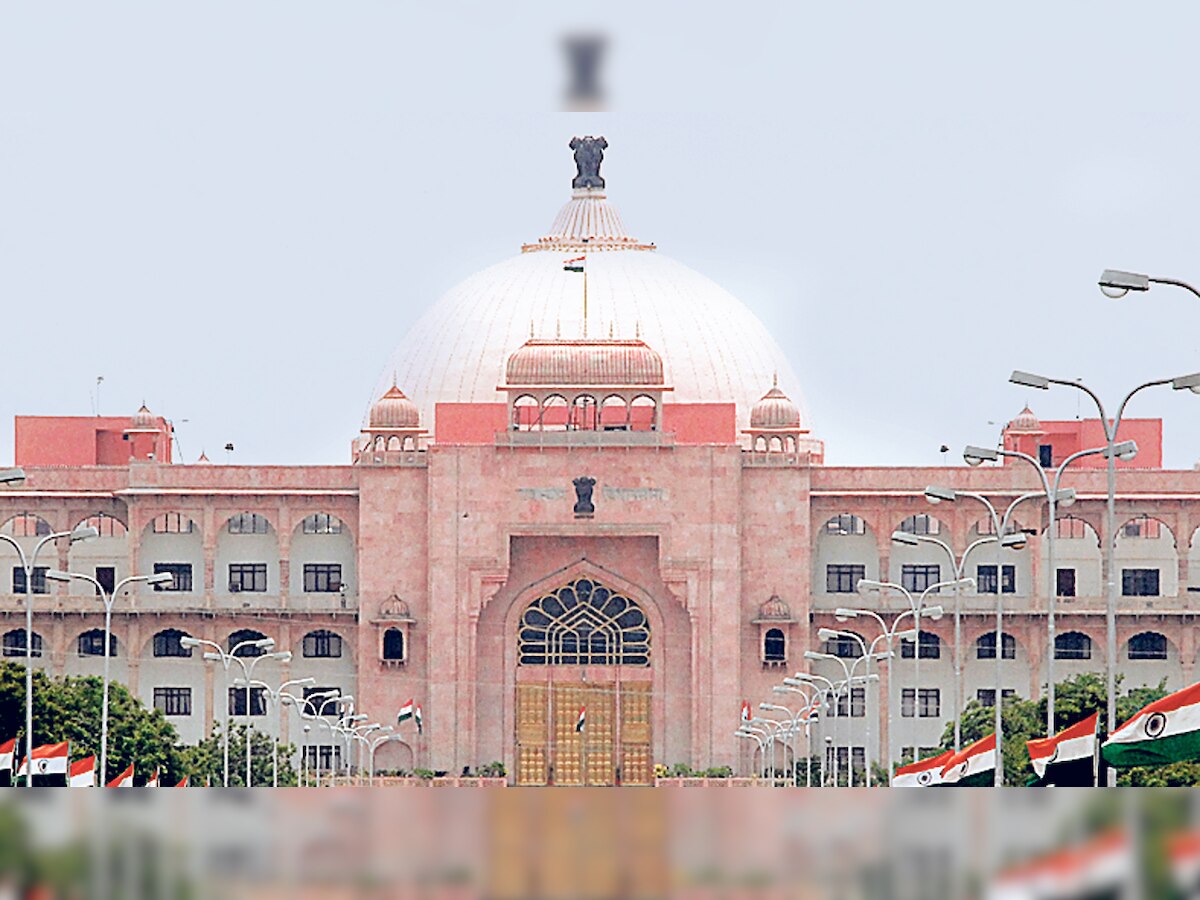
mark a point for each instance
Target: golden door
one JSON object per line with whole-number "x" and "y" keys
{"x": 613, "y": 744}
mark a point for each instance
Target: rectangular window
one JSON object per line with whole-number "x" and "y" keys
{"x": 237, "y": 701}
{"x": 248, "y": 523}
{"x": 182, "y": 573}
{"x": 107, "y": 576}
{"x": 1046, "y": 456}
{"x": 987, "y": 696}
{"x": 322, "y": 578}
{"x": 854, "y": 706}
{"x": 1066, "y": 582}
{"x": 317, "y": 704}
{"x": 323, "y": 758}
{"x": 173, "y": 701}
{"x": 930, "y": 700}
{"x": 843, "y": 579}
{"x": 1137, "y": 582}
{"x": 322, "y": 645}
{"x": 908, "y": 702}
{"x": 985, "y": 579}
{"x": 247, "y": 577}
{"x": 39, "y": 580}
{"x": 917, "y": 578}
{"x": 847, "y": 756}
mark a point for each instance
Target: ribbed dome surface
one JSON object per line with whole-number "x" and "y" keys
{"x": 1025, "y": 421}
{"x": 774, "y": 608}
{"x": 775, "y": 410}
{"x": 394, "y": 410}
{"x": 143, "y": 418}
{"x": 584, "y": 363}
{"x": 587, "y": 222}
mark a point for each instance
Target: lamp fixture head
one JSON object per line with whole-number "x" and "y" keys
{"x": 1123, "y": 450}
{"x": 1015, "y": 541}
{"x": 905, "y": 538}
{"x": 57, "y": 575}
{"x": 973, "y": 456}
{"x": 1115, "y": 283}
{"x": 932, "y": 612}
{"x": 12, "y": 476}
{"x": 83, "y": 533}
{"x": 1187, "y": 383}
{"x": 936, "y": 494}
{"x": 1028, "y": 379}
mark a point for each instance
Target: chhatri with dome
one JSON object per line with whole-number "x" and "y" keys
{"x": 586, "y": 522}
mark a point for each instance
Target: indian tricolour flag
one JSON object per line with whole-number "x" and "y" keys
{"x": 1067, "y": 759}
{"x": 973, "y": 766}
{"x": 83, "y": 772}
{"x": 1183, "y": 852}
{"x": 125, "y": 779}
{"x": 745, "y": 710}
{"x": 7, "y": 751}
{"x": 418, "y": 718}
{"x": 922, "y": 773}
{"x": 184, "y": 782}
{"x": 153, "y": 782}
{"x": 813, "y": 711}
{"x": 406, "y": 712}
{"x": 581, "y": 722}
{"x": 48, "y": 759}
{"x": 1165, "y": 731}
{"x": 574, "y": 265}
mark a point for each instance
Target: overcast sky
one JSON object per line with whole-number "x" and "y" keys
{"x": 233, "y": 210}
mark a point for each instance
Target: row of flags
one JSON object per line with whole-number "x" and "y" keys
{"x": 1163, "y": 732}
{"x": 410, "y": 710}
{"x": 1101, "y": 866}
{"x": 49, "y": 760}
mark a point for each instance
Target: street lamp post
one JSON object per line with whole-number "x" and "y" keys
{"x": 385, "y": 736}
{"x": 277, "y": 696}
{"x": 1004, "y": 541}
{"x": 1112, "y": 451}
{"x": 218, "y": 654}
{"x": 890, "y": 635}
{"x": 108, "y": 600}
{"x": 866, "y": 654}
{"x": 304, "y": 753}
{"x": 29, "y": 564}
{"x": 849, "y": 681}
{"x": 329, "y": 697}
{"x": 749, "y": 734}
{"x": 811, "y": 680}
{"x": 805, "y": 717}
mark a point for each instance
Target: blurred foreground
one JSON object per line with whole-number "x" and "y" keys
{"x": 674, "y": 842}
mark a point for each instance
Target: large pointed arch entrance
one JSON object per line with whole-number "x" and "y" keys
{"x": 584, "y": 686}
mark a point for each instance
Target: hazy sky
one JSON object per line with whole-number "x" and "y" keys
{"x": 233, "y": 210}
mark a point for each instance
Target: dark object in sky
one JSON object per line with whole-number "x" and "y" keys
{"x": 584, "y": 53}
{"x": 589, "y": 154}
{"x": 229, "y": 447}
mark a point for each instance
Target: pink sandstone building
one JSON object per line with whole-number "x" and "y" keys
{"x": 582, "y": 493}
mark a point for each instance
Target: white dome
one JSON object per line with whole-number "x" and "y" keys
{"x": 713, "y": 348}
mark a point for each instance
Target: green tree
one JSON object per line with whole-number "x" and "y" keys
{"x": 206, "y": 760}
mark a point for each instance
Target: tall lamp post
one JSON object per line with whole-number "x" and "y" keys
{"x": 1112, "y": 452}
{"x": 28, "y": 565}
{"x": 1018, "y": 541}
{"x": 749, "y": 734}
{"x": 866, "y": 653}
{"x": 957, "y": 565}
{"x": 218, "y": 654}
{"x": 1056, "y": 496}
{"x": 108, "y": 599}
{"x": 889, "y": 635}
{"x": 805, "y": 718}
{"x": 850, "y": 680}
{"x": 385, "y": 735}
{"x": 278, "y": 696}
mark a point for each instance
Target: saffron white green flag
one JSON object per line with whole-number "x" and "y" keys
{"x": 406, "y": 712}
{"x": 83, "y": 772}
{"x": 1163, "y": 732}
{"x": 125, "y": 779}
{"x": 1067, "y": 759}
{"x": 973, "y": 766}
{"x": 7, "y": 750}
{"x": 48, "y": 759}
{"x": 922, "y": 773}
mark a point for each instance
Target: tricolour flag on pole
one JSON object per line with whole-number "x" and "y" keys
{"x": 153, "y": 782}
{"x": 48, "y": 759}
{"x": 745, "y": 710}
{"x": 1183, "y": 852}
{"x": 125, "y": 779}
{"x": 582, "y": 720}
{"x": 1067, "y": 759}
{"x": 184, "y": 781}
{"x": 417, "y": 717}
{"x": 973, "y": 766}
{"x": 7, "y": 751}
{"x": 1165, "y": 731}
{"x": 574, "y": 265}
{"x": 922, "y": 773}
{"x": 83, "y": 772}
{"x": 813, "y": 711}
{"x": 406, "y": 712}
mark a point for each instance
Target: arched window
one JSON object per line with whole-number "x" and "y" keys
{"x": 241, "y": 636}
{"x": 248, "y": 523}
{"x": 584, "y": 623}
{"x": 91, "y": 643}
{"x": 774, "y": 646}
{"x": 172, "y": 523}
{"x": 931, "y": 646}
{"x": 985, "y": 647}
{"x": 1072, "y": 645}
{"x": 322, "y": 645}
{"x": 393, "y": 644}
{"x": 322, "y": 523}
{"x": 105, "y": 525}
{"x": 923, "y": 523}
{"x": 166, "y": 643}
{"x": 26, "y": 525}
{"x": 1148, "y": 645}
{"x": 845, "y": 524}
{"x": 14, "y": 643}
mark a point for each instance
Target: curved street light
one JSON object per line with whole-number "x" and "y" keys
{"x": 1115, "y": 283}
{"x": 1113, "y": 450}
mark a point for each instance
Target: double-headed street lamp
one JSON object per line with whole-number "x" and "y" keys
{"x": 802, "y": 717}
{"x": 28, "y": 566}
{"x": 278, "y": 696}
{"x": 866, "y": 653}
{"x": 1015, "y": 541}
{"x": 747, "y": 733}
{"x": 1112, "y": 451}
{"x": 890, "y": 635}
{"x": 108, "y": 599}
{"x": 219, "y": 654}
{"x": 850, "y": 680}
